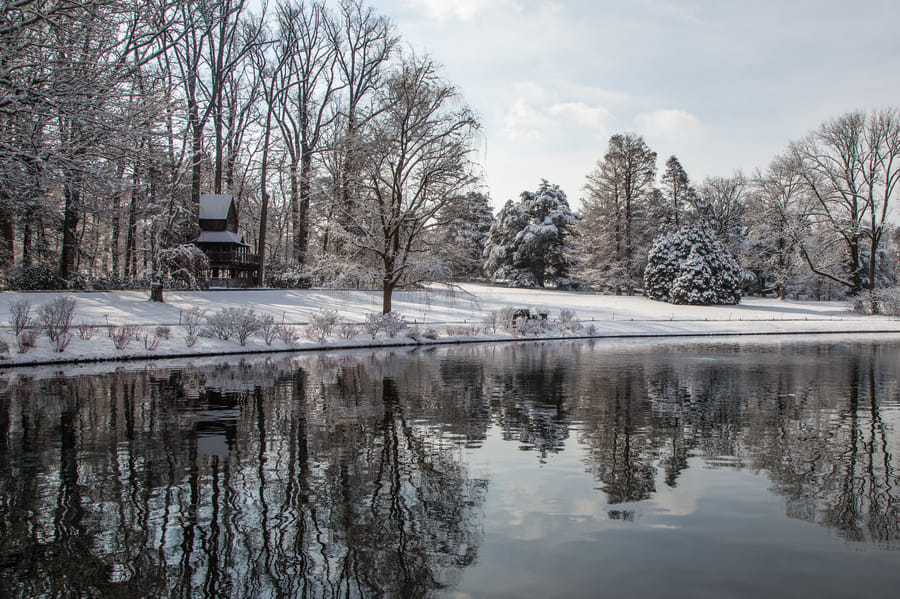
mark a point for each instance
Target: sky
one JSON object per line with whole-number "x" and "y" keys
{"x": 723, "y": 85}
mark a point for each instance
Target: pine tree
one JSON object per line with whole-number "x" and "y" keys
{"x": 529, "y": 244}
{"x": 690, "y": 266}
{"x": 466, "y": 221}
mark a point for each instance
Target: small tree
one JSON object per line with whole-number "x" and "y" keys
{"x": 691, "y": 266}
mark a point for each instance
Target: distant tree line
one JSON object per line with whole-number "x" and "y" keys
{"x": 815, "y": 223}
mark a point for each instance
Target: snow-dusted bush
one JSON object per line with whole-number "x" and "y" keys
{"x": 26, "y": 340}
{"x": 245, "y": 323}
{"x": 85, "y": 330}
{"x": 348, "y": 331}
{"x": 222, "y": 324}
{"x": 4, "y": 345}
{"x": 20, "y": 311}
{"x": 288, "y": 334}
{"x": 284, "y": 275}
{"x": 269, "y": 328}
{"x": 392, "y": 323}
{"x": 62, "y": 342}
{"x": 879, "y": 301}
{"x": 419, "y": 334}
{"x": 163, "y": 332}
{"x": 151, "y": 342}
{"x": 122, "y": 335}
{"x": 491, "y": 320}
{"x": 191, "y": 319}
{"x": 321, "y": 324}
{"x": 462, "y": 330}
{"x": 39, "y": 277}
{"x": 566, "y": 316}
{"x": 55, "y": 317}
{"x": 691, "y": 266}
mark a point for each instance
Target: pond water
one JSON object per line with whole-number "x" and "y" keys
{"x": 548, "y": 469}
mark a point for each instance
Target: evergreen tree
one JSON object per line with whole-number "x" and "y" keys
{"x": 691, "y": 266}
{"x": 466, "y": 221}
{"x": 677, "y": 192}
{"x": 621, "y": 215}
{"x": 529, "y": 243}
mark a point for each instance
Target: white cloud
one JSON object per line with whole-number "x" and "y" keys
{"x": 668, "y": 123}
{"x": 460, "y": 10}
{"x": 596, "y": 117}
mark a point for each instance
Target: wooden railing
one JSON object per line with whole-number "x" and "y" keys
{"x": 232, "y": 258}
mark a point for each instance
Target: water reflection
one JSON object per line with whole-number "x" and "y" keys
{"x": 348, "y": 475}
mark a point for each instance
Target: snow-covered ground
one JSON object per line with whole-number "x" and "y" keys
{"x": 461, "y": 309}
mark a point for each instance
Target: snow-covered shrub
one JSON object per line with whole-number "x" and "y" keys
{"x": 418, "y": 334}
{"x": 184, "y": 263}
{"x": 880, "y": 301}
{"x": 348, "y": 331}
{"x": 221, "y": 324}
{"x": 26, "y": 340}
{"x": 163, "y": 332}
{"x": 284, "y": 275}
{"x": 20, "y": 311}
{"x": 4, "y": 345}
{"x": 373, "y": 323}
{"x": 288, "y": 334}
{"x": 461, "y": 330}
{"x": 85, "y": 331}
{"x": 190, "y": 340}
{"x": 269, "y": 328}
{"x": 39, "y": 277}
{"x": 691, "y": 266}
{"x": 122, "y": 335}
{"x": 393, "y": 323}
{"x": 62, "y": 342}
{"x": 491, "y": 320}
{"x": 321, "y": 324}
{"x": 566, "y": 316}
{"x": 191, "y": 320}
{"x": 55, "y": 317}
{"x": 151, "y": 342}
{"x": 246, "y": 323}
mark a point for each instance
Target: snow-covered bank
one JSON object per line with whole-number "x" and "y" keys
{"x": 456, "y": 315}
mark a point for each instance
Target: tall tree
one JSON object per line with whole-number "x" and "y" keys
{"x": 465, "y": 223}
{"x": 416, "y": 158}
{"x": 620, "y": 214}
{"x": 306, "y": 109}
{"x": 719, "y": 205}
{"x": 530, "y": 243}
{"x": 677, "y": 192}
{"x": 850, "y": 170}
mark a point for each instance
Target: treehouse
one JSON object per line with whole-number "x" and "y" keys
{"x": 231, "y": 260}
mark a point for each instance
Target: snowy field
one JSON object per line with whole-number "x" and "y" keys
{"x": 462, "y": 310}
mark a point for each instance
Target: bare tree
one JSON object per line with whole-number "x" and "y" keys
{"x": 306, "y": 106}
{"x": 850, "y": 169}
{"x": 416, "y": 159}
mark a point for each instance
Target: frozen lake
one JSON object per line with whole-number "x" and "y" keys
{"x": 735, "y": 468}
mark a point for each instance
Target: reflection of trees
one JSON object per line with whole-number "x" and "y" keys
{"x": 811, "y": 421}
{"x": 332, "y": 484}
{"x": 528, "y": 389}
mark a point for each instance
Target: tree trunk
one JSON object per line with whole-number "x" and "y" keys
{"x": 70, "y": 227}
{"x": 387, "y": 292}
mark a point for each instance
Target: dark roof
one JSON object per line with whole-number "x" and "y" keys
{"x": 215, "y": 206}
{"x": 221, "y": 237}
